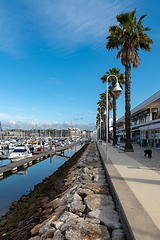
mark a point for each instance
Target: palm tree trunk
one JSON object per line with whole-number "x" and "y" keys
{"x": 128, "y": 145}
{"x": 114, "y": 121}
{"x": 108, "y": 127}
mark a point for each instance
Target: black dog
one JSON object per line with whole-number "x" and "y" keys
{"x": 148, "y": 152}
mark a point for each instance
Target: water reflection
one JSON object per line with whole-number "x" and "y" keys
{"x": 5, "y": 162}
{"x": 23, "y": 172}
{"x": 14, "y": 186}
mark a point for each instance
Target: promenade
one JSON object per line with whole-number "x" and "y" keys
{"x": 135, "y": 183}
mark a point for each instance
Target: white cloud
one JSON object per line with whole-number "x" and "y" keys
{"x": 78, "y": 22}
{"x": 12, "y": 122}
{"x": 46, "y": 125}
{"x": 65, "y": 24}
{"x": 54, "y": 81}
{"x": 4, "y": 116}
{"x": 20, "y": 117}
{"x": 7, "y": 117}
{"x": 91, "y": 112}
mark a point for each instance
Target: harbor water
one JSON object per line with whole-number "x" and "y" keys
{"x": 17, "y": 184}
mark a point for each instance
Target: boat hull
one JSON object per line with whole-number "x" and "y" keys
{"x": 18, "y": 158}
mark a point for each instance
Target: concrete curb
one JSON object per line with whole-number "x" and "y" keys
{"x": 137, "y": 224}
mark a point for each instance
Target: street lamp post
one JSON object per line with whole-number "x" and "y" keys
{"x": 116, "y": 89}
{"x": 101, "y": 122}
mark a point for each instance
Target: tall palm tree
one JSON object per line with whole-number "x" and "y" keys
{"x": 129, "y": 36}
{"x": 101, "y": 109}
{"x": 102, "y": 103}
{"x": 112, "y": 82}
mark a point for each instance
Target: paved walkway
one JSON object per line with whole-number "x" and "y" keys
{"x": 138, "y": 155}
{"x": 136, "y": 183}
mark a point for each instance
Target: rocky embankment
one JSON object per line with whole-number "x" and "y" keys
{"x": 86, "y": 209}
{"x": 73, "y": 203}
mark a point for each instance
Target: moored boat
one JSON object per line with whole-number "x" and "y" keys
{"x": 20, "y": 152}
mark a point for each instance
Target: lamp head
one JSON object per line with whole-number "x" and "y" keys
{"x": 117, "y": 88}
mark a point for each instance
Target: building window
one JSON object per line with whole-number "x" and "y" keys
{"x": 152, "y": 134}
{"x": 147, "y": 117}
{"x": 156, "y": 134}
{"x": 154, "y": 113}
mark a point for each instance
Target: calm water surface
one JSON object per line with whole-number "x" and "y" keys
{"x": 13, "y": 187}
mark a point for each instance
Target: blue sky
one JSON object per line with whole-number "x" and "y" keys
{"x": 53, "y": 54}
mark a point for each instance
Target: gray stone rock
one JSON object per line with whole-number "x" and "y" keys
{"x": 92, "y": 220}
{"x": 99, "y": 201}
{"x": 57, "y": 202}
{"x": 118, "y": 234}
{"x": 86, "y": 170}
{"x": 35, "y": 229}
{"x": 98, "y": 188}
{"x": 83, "y": 231}
{"x": 66, "y": 215}
{"x": 81, "y": 164}
{"x": 86, "y": 176}
{"x": 68, "y": 224}
{"x": 76, "y": 206}
{"x": 56, "y": 215}
{"x": 85, "y": 181}
{"x": 57, "y": 224}
{"x": 74, "y": 197}
{"x": 35, "y": 238}
{"x": 58, "y": 235}
{"x": 99, "y": 170}
{"x": 98, "y": 178}
{"x": 109, "y": 218}
{"x": 44, "y": 229}
{"x": 83, "y": 192}
{"x": 48, "y": 234}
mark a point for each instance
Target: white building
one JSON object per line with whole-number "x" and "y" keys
{"x": 145, "y": 122}
{"x": 75, "y": 132}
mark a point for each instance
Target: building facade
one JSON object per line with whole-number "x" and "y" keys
{"x": 145, "y": 122}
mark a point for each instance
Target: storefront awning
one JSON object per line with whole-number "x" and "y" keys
{"x": 153, "y": 126}
{"x": 121, "y": 134}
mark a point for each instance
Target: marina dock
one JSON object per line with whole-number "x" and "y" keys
{"x": 13, "y": 166}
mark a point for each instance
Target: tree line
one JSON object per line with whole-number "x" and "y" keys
{"x": 128, "y": 37}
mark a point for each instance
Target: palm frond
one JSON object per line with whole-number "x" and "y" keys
{"x": 129, "y": 37}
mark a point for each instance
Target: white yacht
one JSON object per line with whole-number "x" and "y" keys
{"x": 20, "y": 152}
{"x": 12, "y": 144}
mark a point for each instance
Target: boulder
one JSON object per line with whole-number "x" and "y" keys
{"x": 74, "y": 197}
{"x": 35, "y": 230}
{"x": 83, "y": 231}
{"x": 69, "y": 222}
{"x": 86, "y": 176}
{"x": 35, "y": 238}
{"x": 57, "y": 224}
{"x": 98, "y": 188}
{"x": 83, "y": 192}
{"x": 118, "y": 234}
{"x": 58, "y": 235}
{"x": 44, "y": 229}
{"x": 56, "y": 215}
{"x": 76, "y": 206}
{"x": 86, "y": 170}
{"x": 109, "y": 218}
{"x": 48, "y": 234}
{"x": 66, "y": 215}
{"x": 99, "y": 201}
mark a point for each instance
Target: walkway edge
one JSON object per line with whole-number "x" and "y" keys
{"x": 137, "y": 224}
